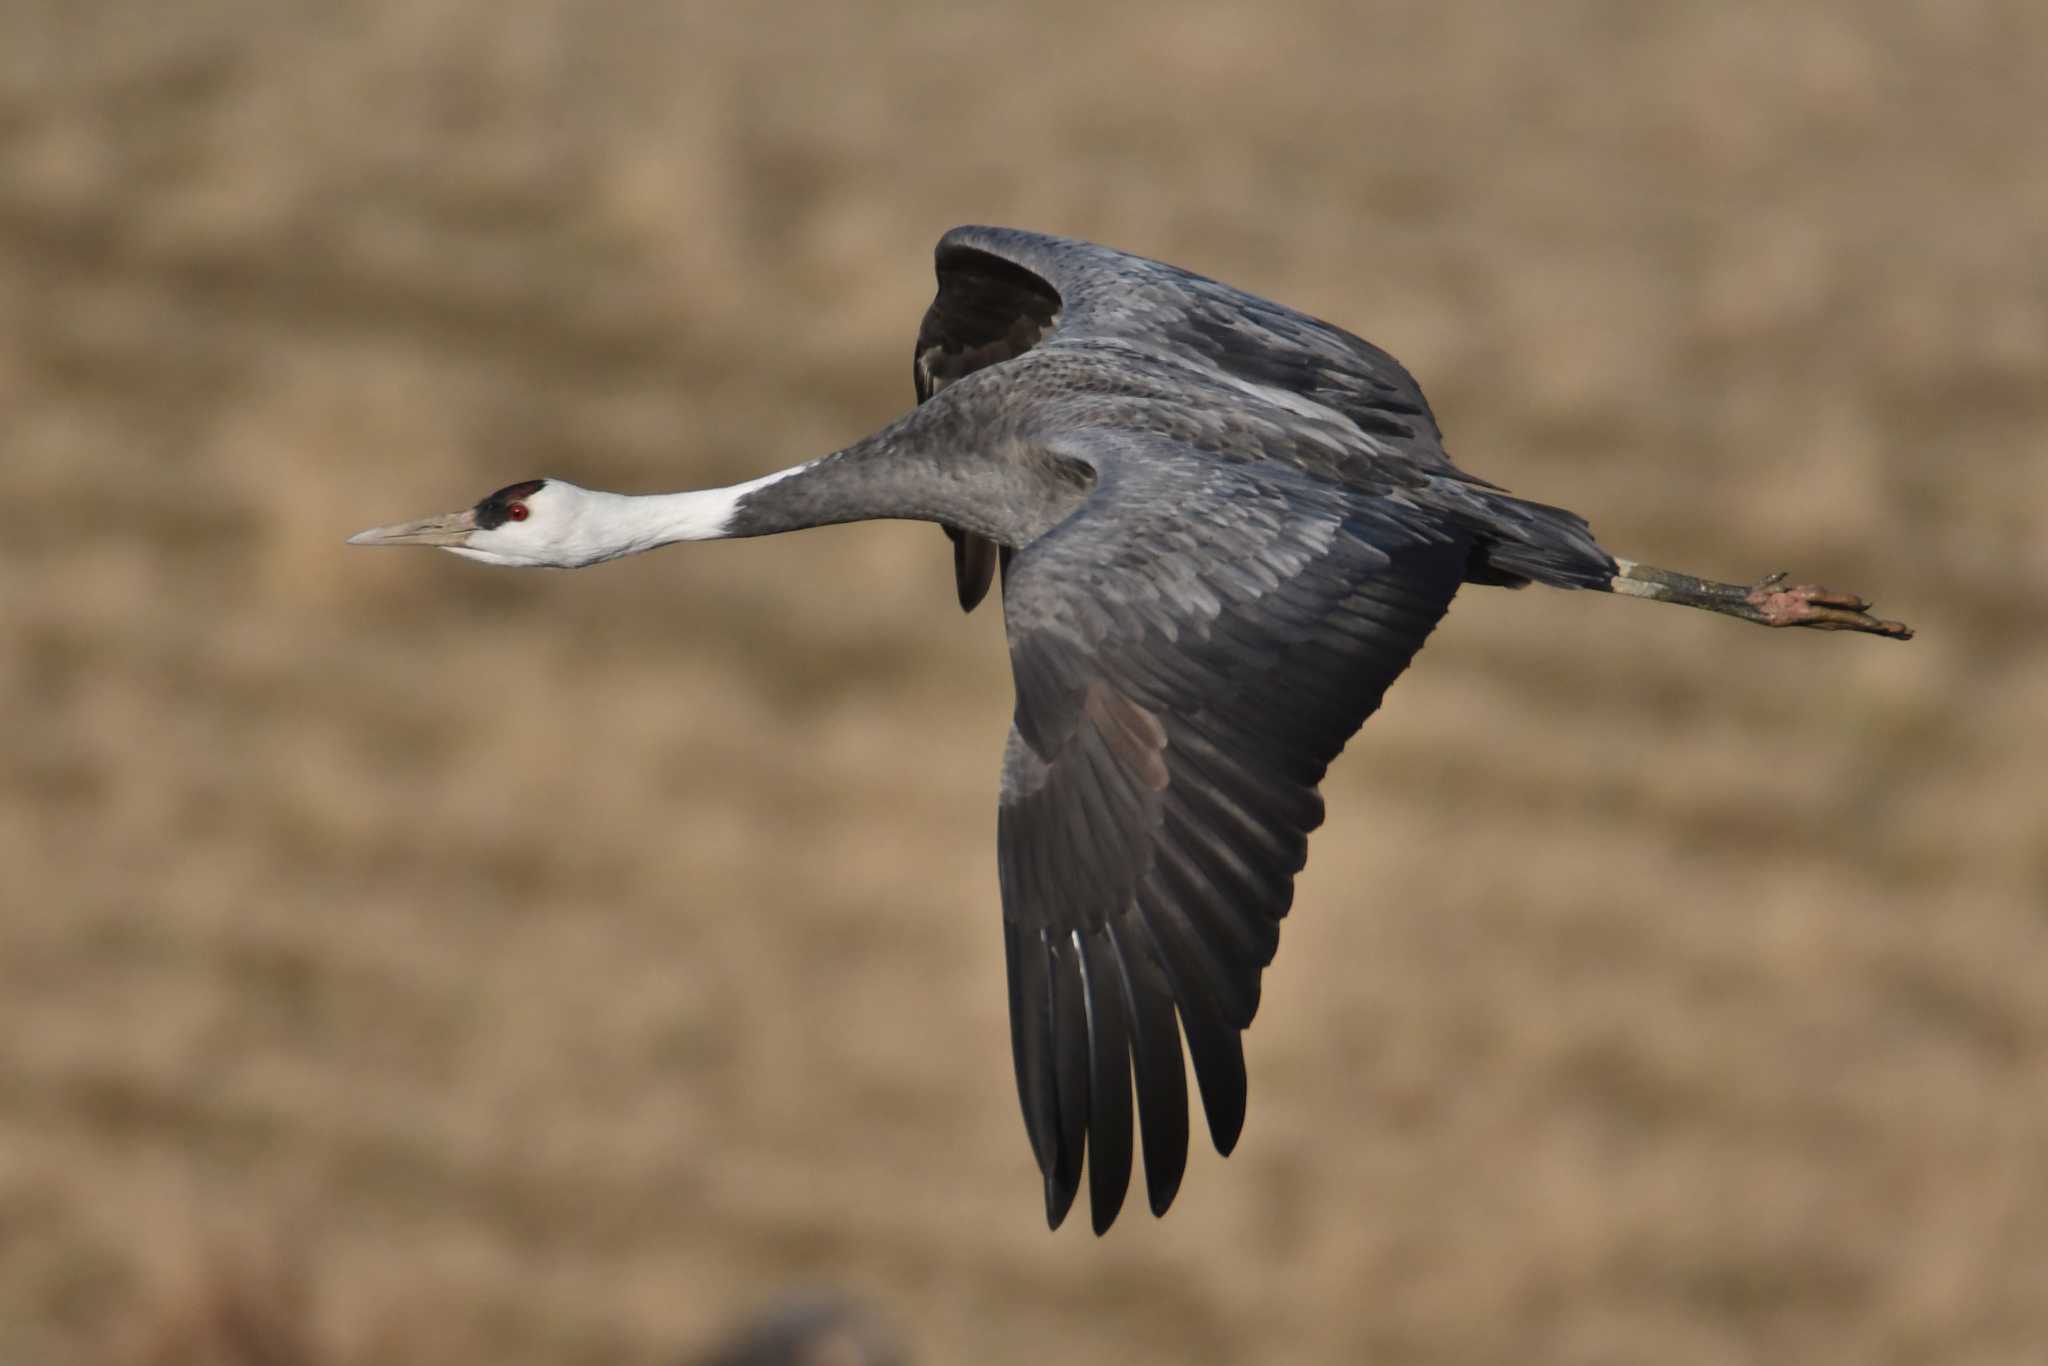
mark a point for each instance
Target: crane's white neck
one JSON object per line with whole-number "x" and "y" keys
{"x": 568, "y": 527}
{"x": 645, "y": 521}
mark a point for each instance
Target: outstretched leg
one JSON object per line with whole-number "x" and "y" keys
{"x": 1770, "y": 602}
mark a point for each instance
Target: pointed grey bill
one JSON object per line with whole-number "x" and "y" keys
{"x": 451, "y": 528}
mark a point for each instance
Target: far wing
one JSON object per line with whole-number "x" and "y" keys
{"x": 1191, "y": 649}
{"x": 1004, "y": 290}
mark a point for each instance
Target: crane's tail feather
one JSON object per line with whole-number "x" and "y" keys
{"x": 1520, "y": 543}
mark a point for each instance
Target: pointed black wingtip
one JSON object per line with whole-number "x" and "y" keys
{"x": 1108, "y": 1189}
{"x": 1226, "y": 1139}
{"x": 1059, "y": 1202}
{"x": 1159, "y": 1194}
{"x": 1219, "y": 1069}
{"x": 1059, "y": 1198}
{"x": 974, "y": 566}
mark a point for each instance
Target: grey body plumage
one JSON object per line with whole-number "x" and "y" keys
{"x": 1223, "y": 529}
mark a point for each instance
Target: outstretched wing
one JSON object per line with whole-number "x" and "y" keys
{"x": 1192, "y": 647}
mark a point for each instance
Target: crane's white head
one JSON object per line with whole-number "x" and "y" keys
{"x": 552, "y": 523}
{"x": 538, "y": 523}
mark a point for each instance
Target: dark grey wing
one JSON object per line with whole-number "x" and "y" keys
{"x": 1003, "y": 290}
{"x": 1192, "y": 647}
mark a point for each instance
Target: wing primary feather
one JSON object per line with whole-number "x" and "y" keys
{"x": 1071, "y": 1064}
{"x": 1212, "y": 1034}
{"x": 1156, "y": 1062}
{"x": 1109, "y": 1082}
{"x": 1031, "y": 1040}
{"x": 974, "y": 566}
{"x": 1218, "y": 1050}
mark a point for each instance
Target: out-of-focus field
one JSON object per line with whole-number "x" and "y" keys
{"x": 560, "y": 963}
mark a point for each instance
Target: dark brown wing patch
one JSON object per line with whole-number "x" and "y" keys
{"x": 987, "y": 311}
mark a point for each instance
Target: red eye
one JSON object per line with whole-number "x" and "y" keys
{"x": 516, "y": 511}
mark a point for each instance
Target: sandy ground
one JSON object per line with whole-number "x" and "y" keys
{"x": 559, "y": 964}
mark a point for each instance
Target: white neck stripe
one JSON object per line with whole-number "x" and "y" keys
{"x": 698, "y": 515}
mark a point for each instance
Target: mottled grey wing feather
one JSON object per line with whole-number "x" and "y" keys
{"x": 1192, "y": 647}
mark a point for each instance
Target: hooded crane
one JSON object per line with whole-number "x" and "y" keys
{"x": 1224, "y": 528}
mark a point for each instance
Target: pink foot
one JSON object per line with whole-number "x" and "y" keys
{"x": 1821, "y": 608}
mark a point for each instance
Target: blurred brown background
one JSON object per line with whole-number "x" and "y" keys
{"x": 561, "y": 963}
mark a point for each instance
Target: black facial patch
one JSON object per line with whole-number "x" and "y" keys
{"x": 491, "y": 512}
